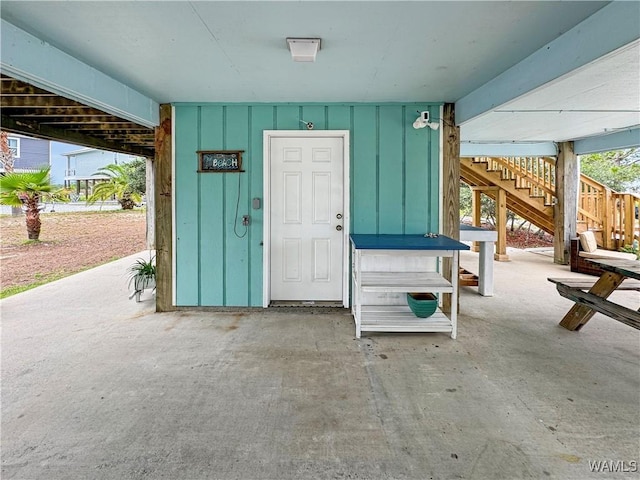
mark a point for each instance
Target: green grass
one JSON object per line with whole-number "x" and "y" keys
{"x": 43, "y": 279}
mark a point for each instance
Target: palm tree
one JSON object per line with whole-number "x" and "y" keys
{"x": 119, "y": 185}
{"x": 27, "y": 190}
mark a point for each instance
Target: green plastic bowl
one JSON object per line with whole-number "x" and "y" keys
{"x": 422, "y": 305}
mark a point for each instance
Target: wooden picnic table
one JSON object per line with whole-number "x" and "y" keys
{"x": 618, "y": 275}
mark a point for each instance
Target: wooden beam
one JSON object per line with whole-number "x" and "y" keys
{"x": 11, "y": 86}
{"x": 150, "y": 197}
{"x": 119, "y": 127}
{"x": 102, "y": 122}
{"x": 450, "y": 189}
{"x": 476, "y": 214}
{"x": 501, "y": 227}
{"x": 163, "y": 211}
{"x": 13, "y": 100}
{"x": 34, "y": 129}
{"x": 565, "y": 211}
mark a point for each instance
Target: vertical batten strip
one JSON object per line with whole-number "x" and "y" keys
{"x": 224, "y": 211}
{"x": 404, "y": 169}
{"x": 433, "y": 207}
{"x": 249, "y": 168}
{"x": 351, "y": 166}
{"x": 199, "y": 207}
{"x": 378, "y": 169}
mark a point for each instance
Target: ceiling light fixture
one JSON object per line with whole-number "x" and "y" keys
{"x": 423, "y": 121}
{"x": 303, "y": 49}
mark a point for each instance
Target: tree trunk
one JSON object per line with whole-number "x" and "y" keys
{"x": 126, "y": 203}
{"x": 33, "y": 220}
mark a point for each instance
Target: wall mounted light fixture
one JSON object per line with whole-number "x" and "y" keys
{"x": 423, "y": 121}
{"x": 303, "y": 49}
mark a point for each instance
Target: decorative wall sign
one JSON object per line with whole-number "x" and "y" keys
{"x": 220, "y": 161}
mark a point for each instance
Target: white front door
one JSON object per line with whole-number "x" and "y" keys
{"x": 306, "y": 244}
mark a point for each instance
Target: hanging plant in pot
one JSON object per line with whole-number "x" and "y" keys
{"x": 142, "y": 275}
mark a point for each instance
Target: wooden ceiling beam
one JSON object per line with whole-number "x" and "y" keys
{"x": 70, "y": 120}
{"x": 112, "y": 129}
{"x": 31, "y": 111}
{"x": 11, "y": 100}
{"x": 47, "y": 113}
{"x": 11, "y": 86}
{"x": 51, "y": 133}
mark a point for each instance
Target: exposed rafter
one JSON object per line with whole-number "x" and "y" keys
{"x": 32, "y": 111}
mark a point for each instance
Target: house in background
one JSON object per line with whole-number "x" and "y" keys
{"x": 82, "y": 165}
{"x": 70, "y": 164}
{"x": 28, "y": 153}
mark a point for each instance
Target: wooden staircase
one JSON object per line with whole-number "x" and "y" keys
{"x": 529, "y": 186}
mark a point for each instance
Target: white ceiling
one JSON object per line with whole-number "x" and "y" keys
{"x": 601, "y": 98}
{"x": 371, "y": 52}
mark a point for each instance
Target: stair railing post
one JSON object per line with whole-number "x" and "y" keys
{"x": 608, "y": 216}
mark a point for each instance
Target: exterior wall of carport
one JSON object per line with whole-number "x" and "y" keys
{"x": 394, "y": 175}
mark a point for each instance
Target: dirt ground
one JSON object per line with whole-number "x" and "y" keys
{"x": 69, "y": 243}
{"x": 524, "y": 238}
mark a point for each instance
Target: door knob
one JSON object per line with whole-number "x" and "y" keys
{"x": 339, "y": 216}
{"x": 338, "y": 227}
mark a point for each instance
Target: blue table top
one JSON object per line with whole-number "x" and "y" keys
{"x": 405, "y": 242}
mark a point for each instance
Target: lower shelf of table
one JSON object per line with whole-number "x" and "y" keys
{"x": 400, "y": 318}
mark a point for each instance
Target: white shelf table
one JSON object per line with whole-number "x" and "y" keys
{"x": 386, "y": 267}
{"x": 487, "y": 240}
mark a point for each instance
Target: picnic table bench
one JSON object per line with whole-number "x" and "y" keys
{"x": 591, "y": 296}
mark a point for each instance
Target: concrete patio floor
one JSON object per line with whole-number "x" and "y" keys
{"x": 96, "y": 386}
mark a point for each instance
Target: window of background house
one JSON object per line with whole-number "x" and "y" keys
{"x": 14, "y": 146}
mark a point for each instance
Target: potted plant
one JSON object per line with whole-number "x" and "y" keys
{"x": 142, "y": 275}
{"x": 422, "y": 305}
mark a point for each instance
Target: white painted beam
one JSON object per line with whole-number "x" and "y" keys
{"x": 605, "y": 143}
{"x": 29, "y": 59}
{"x": 612, "y": 27}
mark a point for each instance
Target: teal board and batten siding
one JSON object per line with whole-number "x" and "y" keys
{"x": 393, "y": 175}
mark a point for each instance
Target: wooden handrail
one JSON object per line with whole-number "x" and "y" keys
{"x": 623, "y": 213}
{"x": 535, "y": 173}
